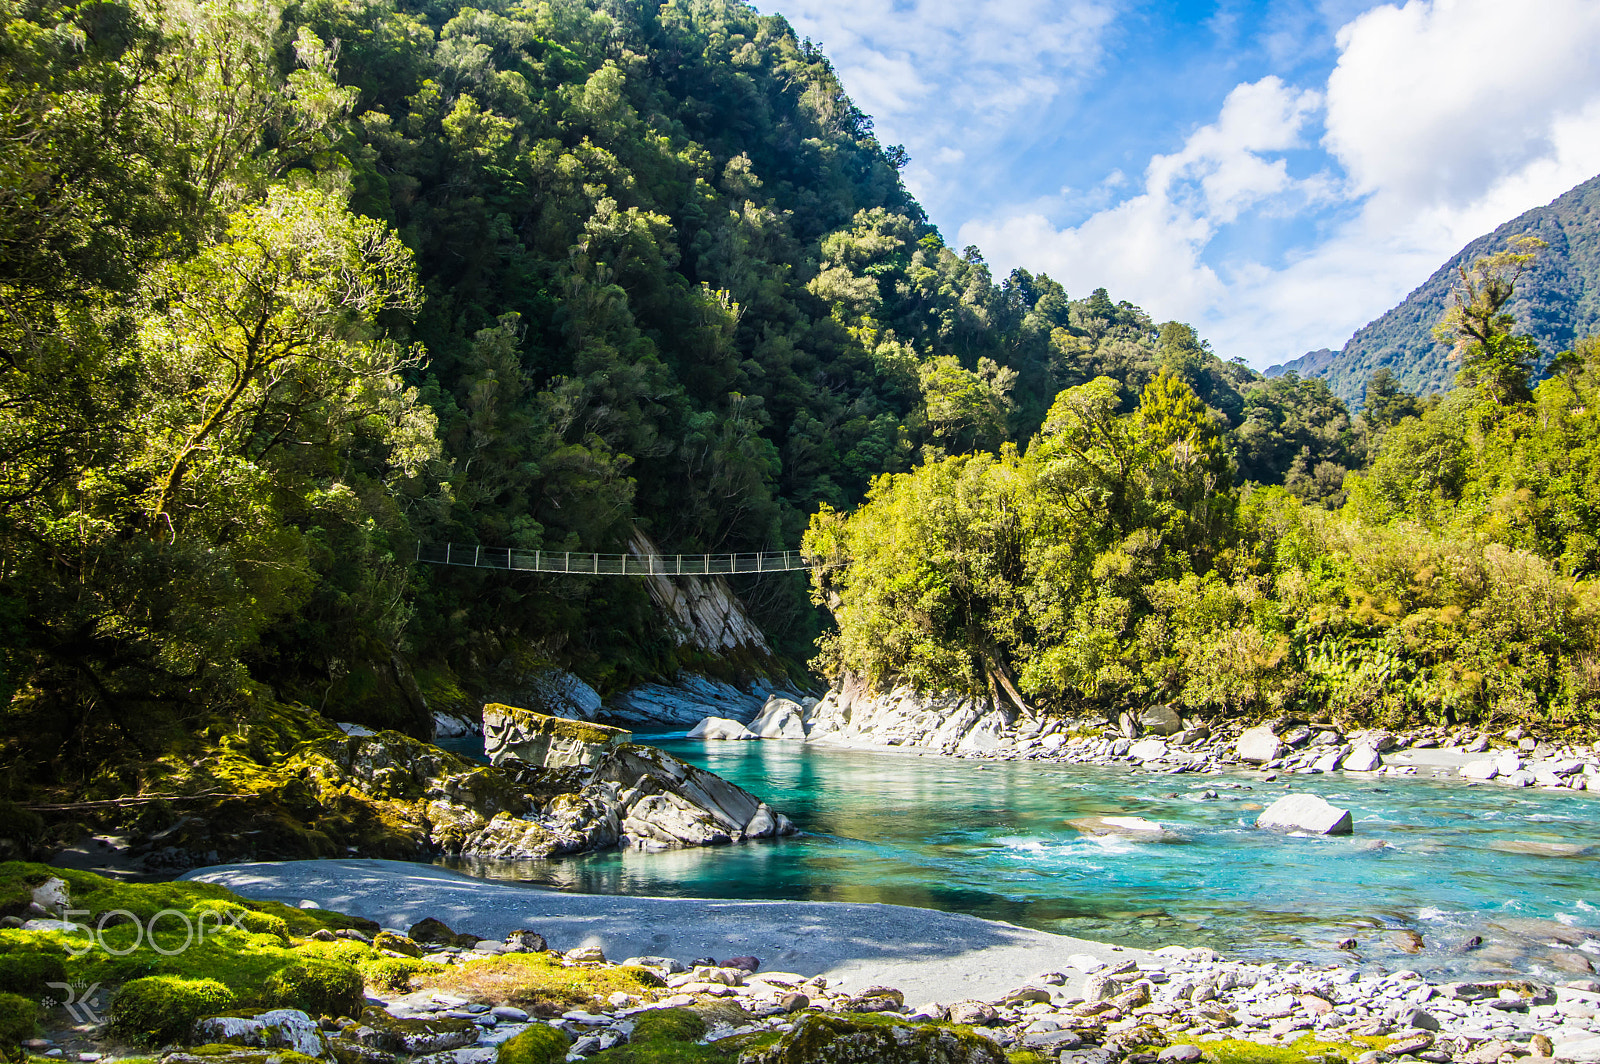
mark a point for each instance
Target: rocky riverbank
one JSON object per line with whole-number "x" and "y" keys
{"x": 347, "y": 990}
{"x": 1161, "y": 739}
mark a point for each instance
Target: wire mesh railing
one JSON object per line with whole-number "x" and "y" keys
{"x": 591, "y": 564}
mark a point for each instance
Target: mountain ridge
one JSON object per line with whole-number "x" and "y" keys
{"x": 1558, "y": 302}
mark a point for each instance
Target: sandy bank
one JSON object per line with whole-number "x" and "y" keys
{"x": 931, "y": 956}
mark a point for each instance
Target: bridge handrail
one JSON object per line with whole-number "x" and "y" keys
{"x": 595, "y": 564}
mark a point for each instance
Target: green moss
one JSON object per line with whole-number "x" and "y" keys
{"x": 544, "y": 724}
{"x": 395, "y": 973}
{"x": 1025, "y": 1056}
{"x": 318, "y": 987}
{"x": 162, "y": 1008}
{"x": 668, "y": 1036}
{"x": 1305, "y": 1048}
{"x": 18, "y": 1016}
{"x": 28, "y": 968}
{"x": 226, "y": 1054}
{"x": 855, "y": 1040}
{"x": 539, "y": 1044}
{"x": 539, "y": 982}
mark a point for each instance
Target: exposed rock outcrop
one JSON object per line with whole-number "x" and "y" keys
{"x": 780, "y": 718}
{"x": 852, "y": 713}
{"x": 687, "y": 701}
{"x": 720, "y": 728}
{"x": 543, "y": 741}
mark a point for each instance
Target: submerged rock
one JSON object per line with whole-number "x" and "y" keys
{"x": 1305, "y": 812}
{"x": 1132, "y": 828}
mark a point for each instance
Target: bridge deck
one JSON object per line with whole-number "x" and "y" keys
{"x": 550, "y": 561}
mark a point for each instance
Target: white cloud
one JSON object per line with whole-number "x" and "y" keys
{"x": 1148, "y": 247}
{"x": 1443, "y": 118}
{"x": 948, "y": 80}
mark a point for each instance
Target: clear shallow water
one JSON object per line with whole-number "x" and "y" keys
{"x": 992, "y": 840}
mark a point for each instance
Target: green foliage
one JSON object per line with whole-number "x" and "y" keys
{"x": 161, "y": 1009}
{"x": 1458, "y": 582}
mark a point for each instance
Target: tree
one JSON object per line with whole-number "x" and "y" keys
{"x": 1386, "y": 403}
{"x": 1492, "y": 359}
{"x": 263, "y": 344}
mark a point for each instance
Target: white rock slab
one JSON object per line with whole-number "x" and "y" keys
{"x": 1305, "y": 812}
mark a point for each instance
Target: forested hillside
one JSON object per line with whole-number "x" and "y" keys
{"x": 286, "y": 291}
{"x": 1558, "y": 303}
{"x": 1116, "y": 562}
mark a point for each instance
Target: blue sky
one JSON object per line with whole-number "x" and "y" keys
{"x": 1275, "y": 172}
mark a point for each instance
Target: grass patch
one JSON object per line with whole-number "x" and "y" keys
{"x": 539, "y": 983}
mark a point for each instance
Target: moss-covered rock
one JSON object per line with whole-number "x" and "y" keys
{"x": 318, "y": 986}
{"x": 18, "y": 1016}
{"x": 539, "y": 1044}
{"x": 821, "y": 1039}
{"x": 226, "y": 1054}
{"x": 431, "y": 932}
{"x": 163, "y": 1008}
{"x": 544, "y": 741}
{"x": 377, "y": 1029}
{"x": 397, "y": 943}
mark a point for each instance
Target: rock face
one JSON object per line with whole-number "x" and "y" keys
{"x": 853, "y": 714}
{"x": 702, "y": 611}
{"x": 1305, "y": 812}
{"x": 686, "y": 701}
{"x": 1259, "y": 745}
{"x": 720, "y": 728}
{"x": 544, "y": 741}
{"x": 780, "y": 718}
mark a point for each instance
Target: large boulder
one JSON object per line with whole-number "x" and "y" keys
{"x": 720, "y": 728}
{"x": 664, "y": 801}
{"x": 1362, "y": 759}
{"x": 1482, "y": 769}
{"x": 1305, "y": 812}
{"x": 1148, "y": 750}
{"x": 545, "y": 741}
{"x": 823, "y": 1039}
{"x": 780, "y": 718}
{"x": 1259, "y": 745}
{"x": 1160, "y": 720}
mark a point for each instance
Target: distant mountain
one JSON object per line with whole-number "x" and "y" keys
{"x": 1558, "y": 301}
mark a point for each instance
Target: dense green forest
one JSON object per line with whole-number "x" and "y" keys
{"x": 1557, "y": 303}
{"x": 285, "y": 291}
{"x": 1118, "y": 560}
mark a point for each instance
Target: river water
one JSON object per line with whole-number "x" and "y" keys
{"x": 1445, "y": 860}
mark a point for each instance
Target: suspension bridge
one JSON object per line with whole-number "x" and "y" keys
{"x": 590, "y": 564}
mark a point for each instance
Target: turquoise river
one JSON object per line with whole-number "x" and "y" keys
{"x": 1442, "y": 859}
